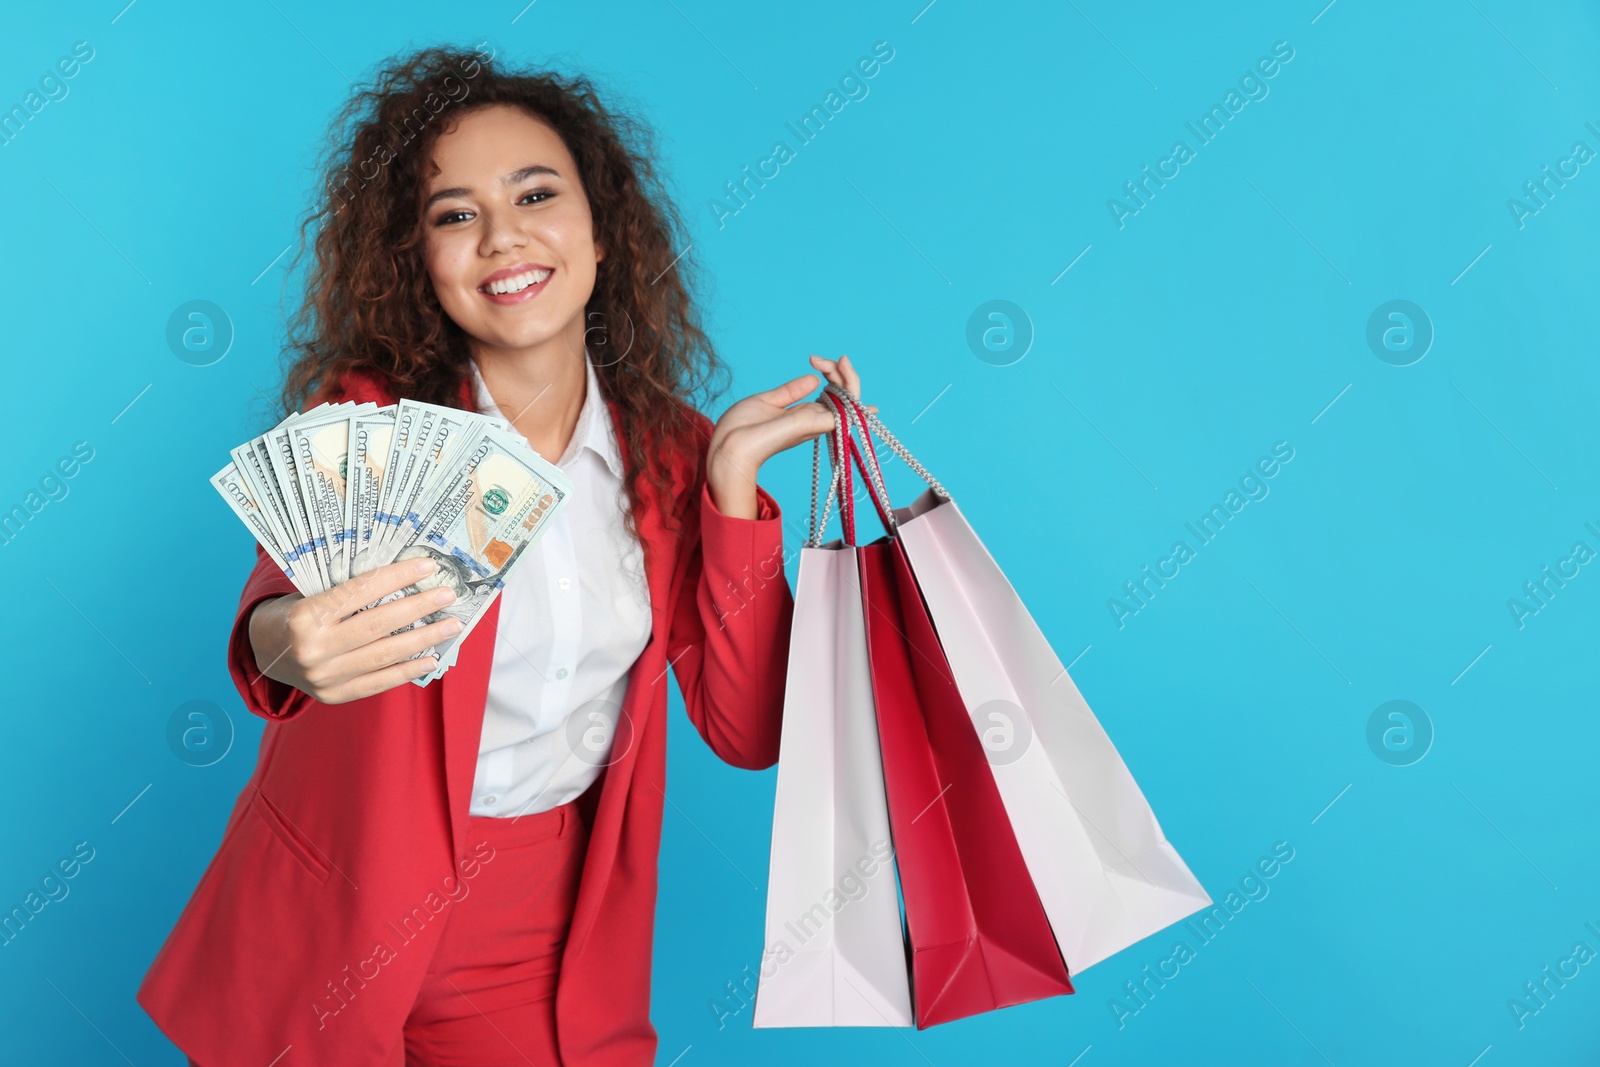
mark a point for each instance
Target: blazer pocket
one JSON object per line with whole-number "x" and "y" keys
{"x": 292, "y": 839}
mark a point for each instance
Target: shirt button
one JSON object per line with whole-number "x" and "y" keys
{"x": 565, "y": 583}
{"x": 490, "y": 799}
{"x": 561, "y": 672}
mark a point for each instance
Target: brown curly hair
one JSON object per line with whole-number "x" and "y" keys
{"x": 369, "y": 306}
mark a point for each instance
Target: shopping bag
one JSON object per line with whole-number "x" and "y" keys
{"x": 1106, "y": 874}
{"x": 835, "y": 952}
{"x": 979, "y": 936}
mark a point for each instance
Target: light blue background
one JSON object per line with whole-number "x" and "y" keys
{"x": 1227, "y": 315}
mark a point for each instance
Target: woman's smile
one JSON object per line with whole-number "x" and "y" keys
{"x": 514, "y": 285}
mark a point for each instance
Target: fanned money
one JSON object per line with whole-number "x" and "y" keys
{"x": 342, "y": 489}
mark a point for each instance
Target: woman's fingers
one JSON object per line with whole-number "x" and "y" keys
{"x": 830, "y": 370}
{"x": 339, "y": 649}
{"x": 385, "y": 652}
{"x": 765, "y": 432}
{"x": 840, "y": 371}
{"x": 350, "y": 596}
{"x": 790, "y": 391}
{"x": 380, "y": 681}
{"x": 852, "y": 380}
{"x": 843, "y": 373}
{"x": 383, "y": 620}
{"x": 823, "y": 420}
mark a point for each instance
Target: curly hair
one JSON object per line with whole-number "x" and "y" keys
{"x": 369, "y": 306}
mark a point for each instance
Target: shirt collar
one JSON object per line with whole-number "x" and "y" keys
{"x": 594, "y": 429}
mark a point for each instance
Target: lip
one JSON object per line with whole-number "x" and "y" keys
{"x": 510, "y": 272}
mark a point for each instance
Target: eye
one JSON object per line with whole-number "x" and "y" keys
{"x": 534, "y": 196}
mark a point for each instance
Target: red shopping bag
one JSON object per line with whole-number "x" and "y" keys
{"x": 979, "y": 936}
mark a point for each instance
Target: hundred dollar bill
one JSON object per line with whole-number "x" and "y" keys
{"x": 279, "y": 447}
{"x": 237, "y": 492}
{"x": 437, "y": 448}
{"x": 435, "y": 434}
{"x": 495, "y": 504}
{"x": 402, "y": 442}
{"x": 321, "y": 451}
{"x": 257, "y": 473}
{"x": 369, "y": 454}
{"x": 412, "y": 477}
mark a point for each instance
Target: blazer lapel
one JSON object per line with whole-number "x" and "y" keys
{"x": 464, "y": 689}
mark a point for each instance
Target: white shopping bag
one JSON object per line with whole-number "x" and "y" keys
{"x": 1105, "y": 873}
{"x": 835, "y": 952}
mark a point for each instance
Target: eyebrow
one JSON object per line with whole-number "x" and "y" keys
{"x": 510, "y": 179}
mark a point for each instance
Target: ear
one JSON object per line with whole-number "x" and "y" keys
{"x": 599, "y": 252}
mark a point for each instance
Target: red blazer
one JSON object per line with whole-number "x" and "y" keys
{"x": 309, "y": 933}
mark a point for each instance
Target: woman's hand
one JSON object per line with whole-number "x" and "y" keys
{"x": 328, "y": 647}
{"x": 758, "y": 427}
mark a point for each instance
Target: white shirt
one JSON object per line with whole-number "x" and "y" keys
{"x": 573, "y": 619}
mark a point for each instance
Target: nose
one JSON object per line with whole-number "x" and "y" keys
{"x": 502, "y": 231}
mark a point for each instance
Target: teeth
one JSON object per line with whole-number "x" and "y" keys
{"x": 518, "y": 282}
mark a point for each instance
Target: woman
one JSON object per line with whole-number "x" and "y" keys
{"x": 465, "y": 873}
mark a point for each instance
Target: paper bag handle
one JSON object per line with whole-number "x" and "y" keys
{"x": 848, "y": 412}
{"x": 872, "y": 477}
{"x": 840, "y": 485}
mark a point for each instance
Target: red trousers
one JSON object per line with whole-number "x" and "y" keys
{"x": 488, "y": 998}
{"x": 489, "y": 995}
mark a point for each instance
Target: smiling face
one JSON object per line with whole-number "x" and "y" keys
{"x": 509, "y": 239}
